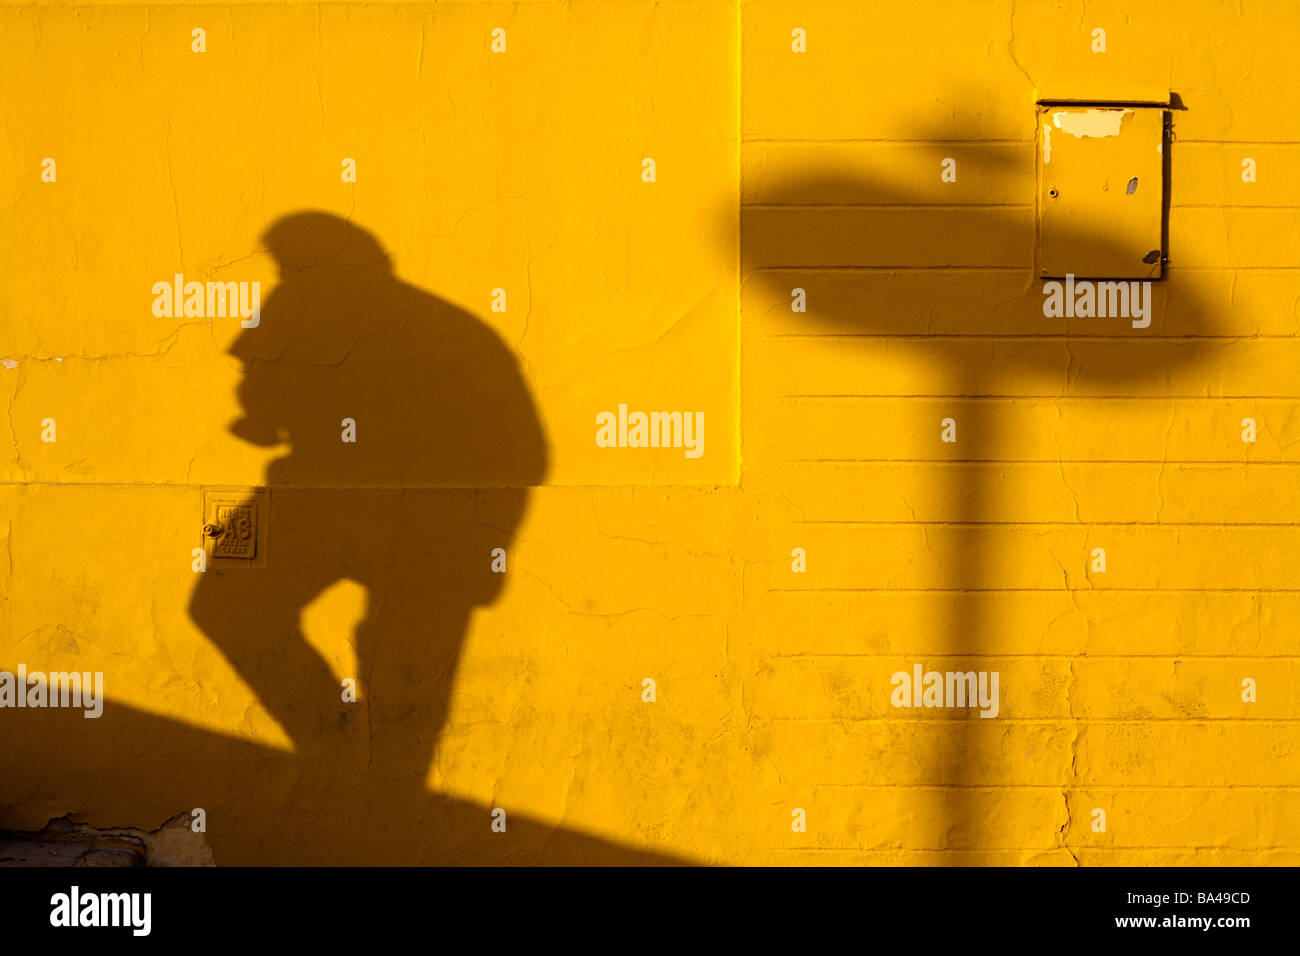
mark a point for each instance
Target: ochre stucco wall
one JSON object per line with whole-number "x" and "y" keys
{"x": 523, "y": 170}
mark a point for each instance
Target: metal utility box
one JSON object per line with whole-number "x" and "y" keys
{"x": 1101, "y": 191}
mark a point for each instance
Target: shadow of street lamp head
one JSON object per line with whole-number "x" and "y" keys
{"x": 899, "y": 256}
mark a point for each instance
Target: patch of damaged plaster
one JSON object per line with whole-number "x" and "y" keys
{"x": 66, "y": 842}
{"x": 1092, "y": 123}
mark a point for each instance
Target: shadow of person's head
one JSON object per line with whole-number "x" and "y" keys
{"x": 374, "y": 382}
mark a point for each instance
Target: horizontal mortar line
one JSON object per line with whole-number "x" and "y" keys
{"x": 1030, "y": 143}
{"x": 1117, "y": 787}
{"x": 117, "y": 5}
{"x": 1053, "y": 524}
{"x": 1035, "y": 396}
{"x": 888, "y": 205}
{"x": 918, "y": 206}
{"x": 1025, "y": 270}
{"x": 1070, "y": 591}
{"x": 1010, "y": 270}
{"x": 906, "y": 851}
{"x": 996, "y": 462}
{"x": 1238, "y": 142}
{"x": 1071, "y": 338}
{"x": 1029, "y": 461}
{"x": 960, "y": 721}
{"x": 1071, "y": 849}
{"x": 990, "y": 655}
{"x": 221, "y": 486}
{"x": 746, "y": 140}
{"x": 254, "y": 4}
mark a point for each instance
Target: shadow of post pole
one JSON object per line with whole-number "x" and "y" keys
{"x": 808, "y": 220}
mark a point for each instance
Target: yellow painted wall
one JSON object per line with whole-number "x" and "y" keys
{"x": 522, "y": 170}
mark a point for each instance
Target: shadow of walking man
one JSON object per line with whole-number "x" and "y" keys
{"x": 444, "y": 446}
{"x": 447, "y": 445}
{"x": 447, "y": 448}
